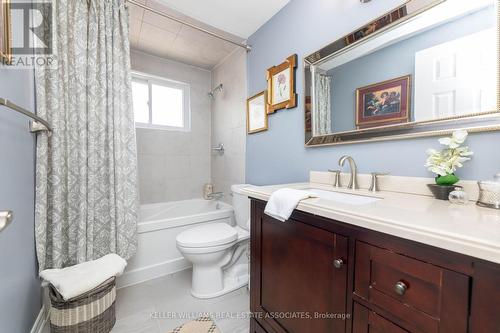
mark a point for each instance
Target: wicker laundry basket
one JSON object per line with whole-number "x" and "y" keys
{"x": 91, "y": 312}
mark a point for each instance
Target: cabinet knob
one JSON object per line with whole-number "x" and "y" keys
{"x": 400, "y": 288}
{"x": 338, "y": 263}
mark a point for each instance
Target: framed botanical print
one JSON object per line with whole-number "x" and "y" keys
{"x": 281, "y": 85}
{"x": 383, "y": 103}
{"x": 5, "y": 32}
{"x": 257, "y": 109}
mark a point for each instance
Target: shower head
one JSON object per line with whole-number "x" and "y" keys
{"x": 218, "y": 89}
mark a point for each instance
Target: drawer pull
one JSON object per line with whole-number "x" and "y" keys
{"x": 400, "y": 288}
{"x": 338, "y": 263}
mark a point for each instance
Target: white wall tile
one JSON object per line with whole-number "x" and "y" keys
{"x": 229, "y": 123}
{"x": 175, "y": 165}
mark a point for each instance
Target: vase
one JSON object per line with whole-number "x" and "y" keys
{"x": 442, "y": 192}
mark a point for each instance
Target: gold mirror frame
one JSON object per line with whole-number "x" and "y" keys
{"x": 6, "y": 54}
{"x": 473, "y": 123}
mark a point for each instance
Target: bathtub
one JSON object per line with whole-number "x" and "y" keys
{"x": 159, "y": 224}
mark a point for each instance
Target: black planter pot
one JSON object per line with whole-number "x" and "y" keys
{"x": 441, "y": 192}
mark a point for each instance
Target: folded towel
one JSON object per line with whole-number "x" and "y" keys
{"x": 283, "y": 201}
{"x": 75, "y": 280}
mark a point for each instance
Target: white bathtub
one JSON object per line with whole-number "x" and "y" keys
{"x": 158, "y": 226}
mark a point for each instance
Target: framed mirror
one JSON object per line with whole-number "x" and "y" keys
{"x": 426, "y": 68}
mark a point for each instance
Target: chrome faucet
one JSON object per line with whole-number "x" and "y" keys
{"x": 217, "y": 196}
{"x": 353, "y": 182}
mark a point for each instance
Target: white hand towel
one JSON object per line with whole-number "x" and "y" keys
{"x": 75, "y": 280}
{"x": 283, "y": 201}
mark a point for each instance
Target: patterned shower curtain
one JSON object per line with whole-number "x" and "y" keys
{"x": 86, "y": 171}
{"x": 322, "y": 121}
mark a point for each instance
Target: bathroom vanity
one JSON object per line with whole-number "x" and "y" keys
{"x": 397, "y": 260}
{"x": 373, "y": 267}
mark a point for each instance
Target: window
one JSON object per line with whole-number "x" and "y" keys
{"x": 160, "y": 103}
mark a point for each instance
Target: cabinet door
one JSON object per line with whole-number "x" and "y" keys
{"x": 296, "y": 286}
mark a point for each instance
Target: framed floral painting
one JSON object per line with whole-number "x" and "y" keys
{"x": 5, "y": 33}
{"x": 383, "y": 103}
{"x": 257, "y": 110}
{"x": 281, "y": 85}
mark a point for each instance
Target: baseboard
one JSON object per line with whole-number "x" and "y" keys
{"x": 41, "y": 321}
{"x": 152, "y": 272}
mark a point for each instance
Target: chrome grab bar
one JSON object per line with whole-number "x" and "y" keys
{"x": 37, "y": 125}
{"x": 6, "y": 217}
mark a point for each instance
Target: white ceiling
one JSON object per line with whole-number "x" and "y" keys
{"x": 166, "y": 38}
{"x": 238, "y": 17}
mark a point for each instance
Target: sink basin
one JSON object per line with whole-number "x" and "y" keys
{"x": 351, "y": 199}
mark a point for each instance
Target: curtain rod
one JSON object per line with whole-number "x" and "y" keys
{"x": 213, "y": 34}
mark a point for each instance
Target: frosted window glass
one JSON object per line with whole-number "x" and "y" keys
{"x": 167, "y": 106}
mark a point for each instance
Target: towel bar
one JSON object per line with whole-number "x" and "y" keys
{"x": 37, "y": 125}
{"x": 6, "y": 217}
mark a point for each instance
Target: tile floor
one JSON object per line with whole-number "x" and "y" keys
{"x": 160, "y": 305}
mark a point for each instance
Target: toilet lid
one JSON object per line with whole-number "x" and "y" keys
{"x": 208, "y": 235}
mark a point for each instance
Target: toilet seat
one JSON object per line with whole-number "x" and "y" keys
{"x": 209, "y": 235}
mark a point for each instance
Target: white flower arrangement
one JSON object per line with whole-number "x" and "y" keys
{"x": 445, "y": 162}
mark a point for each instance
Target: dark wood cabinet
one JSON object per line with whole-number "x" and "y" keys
{"x": 255, "y": 327}
{"x": 313, "y": 274}
{"x": 424, "y": 297}
{"x": 366, "y": 321}
{"x": 296, "y": 261}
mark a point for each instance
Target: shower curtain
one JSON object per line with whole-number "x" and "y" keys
{"x": 86, "y": 171}
{"x": 322, "y": 123}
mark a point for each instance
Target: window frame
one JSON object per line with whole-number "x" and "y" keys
{"x": 161, "y": 81}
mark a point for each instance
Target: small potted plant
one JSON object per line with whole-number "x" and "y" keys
{"x": 445, "y": 162}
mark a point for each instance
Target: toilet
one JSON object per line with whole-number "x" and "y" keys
{"x": 219, "y": 251}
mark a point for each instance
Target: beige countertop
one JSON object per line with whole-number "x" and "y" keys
{"x": 467, "y": 229}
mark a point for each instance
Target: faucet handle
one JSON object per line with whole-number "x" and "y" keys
{"x": 374, "y": 185}
{"x": 336, "y": 177}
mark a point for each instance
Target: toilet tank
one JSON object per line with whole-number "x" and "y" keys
{"x": 241, "y": 205}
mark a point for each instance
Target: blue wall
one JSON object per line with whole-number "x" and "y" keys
{"x": 395, "y": 61}
{"x": 278, "y": 155}
{"x": 20, "y": 292}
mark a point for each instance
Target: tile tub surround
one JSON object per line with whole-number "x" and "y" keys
{"x": 468, "y": 229}
{"x": 174, "y": 165}
{"x": 229, "y": 123}
{"x": 279, "y": 156}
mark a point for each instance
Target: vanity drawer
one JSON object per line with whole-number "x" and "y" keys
{"x": 427, "y": 297}
{"x": 366, "y": 321}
